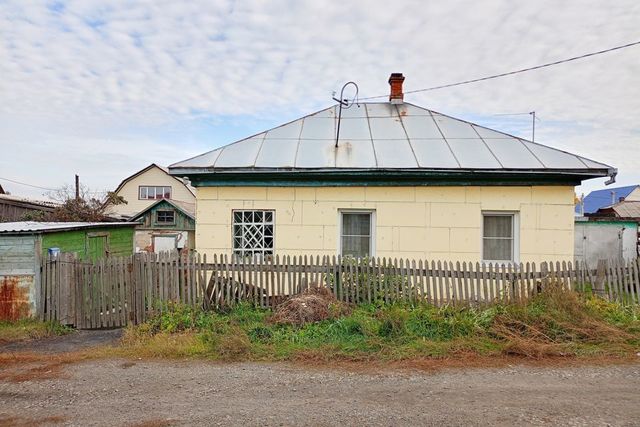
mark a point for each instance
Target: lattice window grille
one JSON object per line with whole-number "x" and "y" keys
{"x": 253, "y": 233}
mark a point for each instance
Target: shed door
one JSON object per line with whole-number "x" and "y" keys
{"x": 164, "y": 243}
{"x": 97, "y": 247}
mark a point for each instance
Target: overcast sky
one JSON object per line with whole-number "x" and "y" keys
{"x": 103, "y": 91}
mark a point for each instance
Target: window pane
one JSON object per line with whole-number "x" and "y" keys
{"x": 355, "y": 246}
{"x": 497, "y": 249}
{"x": 159, "y": 193}
{"x": 143, "y": 192}
{"x": 498, "y": 226}
{"x": 356, "y": 224}
{"x": 167, "y": 192}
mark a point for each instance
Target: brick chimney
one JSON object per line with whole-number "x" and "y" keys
{"x": 395, "y": 81}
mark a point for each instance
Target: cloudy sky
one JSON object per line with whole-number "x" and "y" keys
{"x": 102, "y": 89}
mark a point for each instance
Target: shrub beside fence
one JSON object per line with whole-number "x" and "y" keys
{"x": 116, "y": 291}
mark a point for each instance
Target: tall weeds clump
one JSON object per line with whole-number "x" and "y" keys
{"x": 559, "y": 322}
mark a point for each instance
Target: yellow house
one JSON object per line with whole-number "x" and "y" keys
{"x": 387, "y": 179}
{"x": 163, "y": 203}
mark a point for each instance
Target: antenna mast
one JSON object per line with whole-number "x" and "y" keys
{"x": 344, "y": 103}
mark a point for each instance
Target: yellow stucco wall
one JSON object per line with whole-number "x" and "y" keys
{"x": 154, "y": 176}
{"x": 411, "y": 222}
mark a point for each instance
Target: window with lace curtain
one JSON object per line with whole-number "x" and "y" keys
{"x": 499, "y": 237}
{"x": 356, "y": 233}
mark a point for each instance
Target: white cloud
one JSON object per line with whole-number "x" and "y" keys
{"x": 82, "y": 73}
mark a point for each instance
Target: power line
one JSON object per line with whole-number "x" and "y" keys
{"x": 509, "y": 73}
{"x": 29, "y": 185}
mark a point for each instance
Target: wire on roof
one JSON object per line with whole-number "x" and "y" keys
{"x": 509, "y": 73}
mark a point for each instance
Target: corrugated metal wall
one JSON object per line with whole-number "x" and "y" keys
{"x": 17, "y": 276}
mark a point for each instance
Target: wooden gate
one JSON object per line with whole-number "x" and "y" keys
{"x": 89, "y": 295}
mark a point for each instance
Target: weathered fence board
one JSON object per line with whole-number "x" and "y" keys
{"x": 117, "y": 291}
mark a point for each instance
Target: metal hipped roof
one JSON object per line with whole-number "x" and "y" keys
{"x": 384, "y": 136}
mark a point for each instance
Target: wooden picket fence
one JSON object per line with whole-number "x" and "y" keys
{"x": 117, "y": 291}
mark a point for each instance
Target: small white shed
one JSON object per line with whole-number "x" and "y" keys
{"x": 596, "y": 240}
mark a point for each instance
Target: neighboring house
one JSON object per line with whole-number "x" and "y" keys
{"x": 165, "y": 225}
{"x": 401, "y": 181}
{"x": 24, "y": 244}
{"x": 627, "y": 209}
{"x": 606, "y": 197}
{"x": 16, "y": 208}
{"x": 146, "y": 187}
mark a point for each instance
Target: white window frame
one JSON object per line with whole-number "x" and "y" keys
{"x": 262, "y": 250}
{"x": 372, "y": 225}
{"x": 148, "y": 188}
{"x": 515, "y": 224}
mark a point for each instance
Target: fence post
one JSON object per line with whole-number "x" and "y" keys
{"x": 598, "y": 285}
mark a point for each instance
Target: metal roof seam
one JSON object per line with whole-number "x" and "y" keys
{"x": 532, "y": 153}
{"x": 488, "y": 148}
{"x": 444, "y": 138}
{"x": 264, "y": 137}
{"x": 295, "y": 156}
{"x": 373, "y": 146}
{"x": 413, "y": 151}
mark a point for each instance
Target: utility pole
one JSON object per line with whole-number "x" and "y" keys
{"x": 77, "y": 187}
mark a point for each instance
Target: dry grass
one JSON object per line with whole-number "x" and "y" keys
{"x": 19, "y": 421}
{"x": 27, "y": 329}
{"x": 314, "y": 305}
{"x": 32, "y": 366}
{"x": 565, "y": 324}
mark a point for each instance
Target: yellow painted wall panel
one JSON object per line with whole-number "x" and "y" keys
{"x": 420, "y": 222}
{"x": 345, "y": 194}
{"x": 441, "y": 194}
{"x": 412, "y": 239}
{"x": 438, "y": 240}
{"x": 390, "y": 194}
{"x": 555, "y": 218}
{"x": 242, "y": 193}
{"x": 553, "y": 195}
{"x": 281, "y": 193}
{"x": 504, "y": 198}
{"x": 401, "y": 213}
{"x": 465, "y": 239}
{"x": 384, "y": 239}
{"x": 319, "y": 213}
{"x": 456, "y": 215}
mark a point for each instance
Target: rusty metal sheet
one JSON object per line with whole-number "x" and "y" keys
{"x": 16, "y": 299}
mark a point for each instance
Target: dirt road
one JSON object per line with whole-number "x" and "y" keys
{"x": 119, "y": 392}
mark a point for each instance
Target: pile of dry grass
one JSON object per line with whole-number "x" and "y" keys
{"x": 313, "y": 305}
{"x": 565, "y": 324}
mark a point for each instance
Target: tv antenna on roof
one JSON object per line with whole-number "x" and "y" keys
{"x": 345, "y": 103}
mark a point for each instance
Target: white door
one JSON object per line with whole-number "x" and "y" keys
{"x": 164, "y": 243}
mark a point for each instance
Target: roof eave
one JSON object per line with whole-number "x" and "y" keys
{"x": 202, "y": 177}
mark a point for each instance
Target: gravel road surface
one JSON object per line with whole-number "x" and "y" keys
{"x": 148, "y": 393}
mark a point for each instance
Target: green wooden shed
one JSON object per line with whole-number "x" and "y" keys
{"x": 24, "y": 244}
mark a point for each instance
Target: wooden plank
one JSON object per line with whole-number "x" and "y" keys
{"x": 636, "y": 279}
{"x": 438, "y": 272}
{"x": 476, "y": 281}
